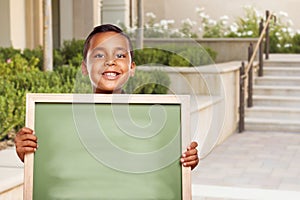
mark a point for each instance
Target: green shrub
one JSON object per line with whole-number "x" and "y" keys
{"x": 37, "y": 53}
{"x": 21, "y": 76}
{"x": 170, "y": 55}
{"x": 72, "y": 50}
{"x": 296, "y": 43}
{"x": 194, "y": 56}
{"x": 148, "y": 56}
{"x": 148, "y": 82}
{"x": 8, "y": 53}
{"x": 58, "y": 58}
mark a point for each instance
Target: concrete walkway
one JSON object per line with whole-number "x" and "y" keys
{"x": 263, "y": 164}
{"x": 11, "y": 175}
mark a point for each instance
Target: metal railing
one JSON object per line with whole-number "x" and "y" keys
{"x": 246, "y": 72}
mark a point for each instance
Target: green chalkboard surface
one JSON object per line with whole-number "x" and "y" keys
{"x": 107, "y": 151}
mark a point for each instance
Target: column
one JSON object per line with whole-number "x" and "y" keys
{"x": 12, "y": 23}
{"x": 5, "y": 39}
{"x": 116, "y": 12}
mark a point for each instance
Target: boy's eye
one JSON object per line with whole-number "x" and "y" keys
{"x": 120, "y": 55}
{"x": 99, "y": 55}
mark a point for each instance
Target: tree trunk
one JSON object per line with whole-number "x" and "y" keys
{"x": 140, "y": 30}
{"x": 48, "y": 39}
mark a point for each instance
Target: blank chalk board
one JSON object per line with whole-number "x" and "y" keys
{"x": 107, "y": 147}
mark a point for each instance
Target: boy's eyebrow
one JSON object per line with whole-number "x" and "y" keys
{"x": 98, "y": 48}
{"x": 122, "y": 49}
{"x": 103, "y": 49}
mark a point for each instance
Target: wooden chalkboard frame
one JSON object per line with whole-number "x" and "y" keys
{"x": 183, "y": 100}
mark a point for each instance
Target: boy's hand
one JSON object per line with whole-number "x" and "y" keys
{"x": 190, "y": 157}
{"x": 25, "y": 142}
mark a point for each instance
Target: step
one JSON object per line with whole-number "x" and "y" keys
{"x": 282, "y": 71}
{"x": 274, "y": 90}
{"x": 284, "y": 62}
{"x": 257, "y": 124}
{"x": 273, "y": 113}
{"x": 277, "y": 80}
{"x": 276, "y": 101}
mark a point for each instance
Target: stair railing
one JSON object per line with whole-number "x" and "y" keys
{"x": 246, "y": 72}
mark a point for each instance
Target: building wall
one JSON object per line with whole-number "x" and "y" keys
{"x": 12, "y": 23}
{"x": 5, "y": 24}
{"x": 116, "y": 11}
{"x": 34, "y": 23}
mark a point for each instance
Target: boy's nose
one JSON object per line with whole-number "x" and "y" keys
{"x": 110, "y": 61}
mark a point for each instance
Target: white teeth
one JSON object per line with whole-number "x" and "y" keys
{"x": 111, "y": 74}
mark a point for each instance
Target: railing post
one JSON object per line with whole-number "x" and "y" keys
{"x": 267, "y": 49}
{"x": 242, "y": 99}
{"x": 250, "y": 77}
{"x": 260, "y": 51}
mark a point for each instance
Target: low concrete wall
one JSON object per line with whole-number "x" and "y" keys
{"x": 214, "y": 91}
{"x": 228, "y": 49}
{"x": 13, "y": 193}
{"x": 11, "y": 175}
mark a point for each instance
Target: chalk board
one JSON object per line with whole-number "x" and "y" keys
{"x": 107, "y": 147}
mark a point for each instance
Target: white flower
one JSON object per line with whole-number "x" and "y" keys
{"x": 284, "y": 30}
{"x": 156, "y": 25}
{"x": 212, "y": 22}
{"x": 224, "y": 22}
{"x": 199, "y": 9}
{"x": 278, "y": 45}
{"x": 287, "y": 45}
{"x": 283, "y": 14}
{"x": 224, "y": 17}
{"x": 203, "y": 15}
{"x": 250, "y": 33}
{"x": 234, "y": 27}
{"x": 257, "y": 13}
{"x": 189, "y": 22}
{"x": 151, "y": 15}
{"x": 163, "y": 22}
{"x": 171, "y": 21}
{"x": 290, "y": 22}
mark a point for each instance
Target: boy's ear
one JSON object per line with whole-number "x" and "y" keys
{"x": 132, "y": 69}
{"x": 84, "y": 70}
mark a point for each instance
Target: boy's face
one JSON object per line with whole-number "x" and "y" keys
{"x": 108, "y": 63}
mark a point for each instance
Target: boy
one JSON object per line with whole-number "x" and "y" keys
{"x": 108, "y": 61}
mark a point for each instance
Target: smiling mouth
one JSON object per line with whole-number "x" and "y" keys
{"x": 110, "y": 75}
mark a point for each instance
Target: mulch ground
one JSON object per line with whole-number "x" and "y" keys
{"x": 8, "y": 141}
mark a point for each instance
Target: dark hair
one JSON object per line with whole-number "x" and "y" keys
{"x": 102, "y": 29}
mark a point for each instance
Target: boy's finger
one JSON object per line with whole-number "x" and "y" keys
{"x": 25, "y": 130}
{"x": 193, "y": 145}
{"x": 190, "y": 153}
{"x": 24, "y": 150}
{"x": 188, "y": 159}
{"x": 26, "y": 137}
{"x": 28, "y": 143}
{"x": 190, "y": 164}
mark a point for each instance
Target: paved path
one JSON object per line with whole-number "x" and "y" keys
{"x": 256, "y": 160}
